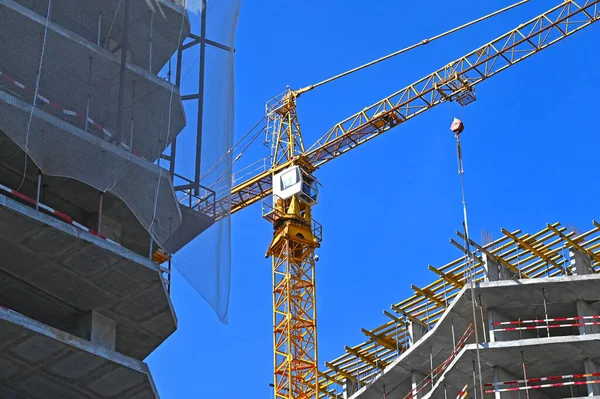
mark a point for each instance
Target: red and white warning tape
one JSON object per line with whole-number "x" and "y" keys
{"x": 463, "y": 393}
{"x": 441, "y": 367}
{"x": 540, "y": 379}
{"x": 60, "y": 215}
{"x": 591, "y": 323}
{"x": 504, "y": 323}
{"x": 60, "y": 108}
{"x": 557, "y": 384}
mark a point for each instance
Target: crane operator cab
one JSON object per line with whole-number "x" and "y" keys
{"x": 295, "y": 181}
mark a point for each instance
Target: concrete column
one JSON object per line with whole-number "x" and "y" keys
{"x": 415, "y": 332}
{"x": 583, "y": 309}
{"x": 350, "y": 388}
{"x": 97, "y": 329}
{"x": 493, "y": 316}
{"x": 495, "y": 270}
{"x": 581, "y": 262}
{"x": 416, "y": 379}
{"x": 591, "y": 367}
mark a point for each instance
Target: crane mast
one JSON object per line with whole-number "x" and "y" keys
{"x": 292, "y": 252}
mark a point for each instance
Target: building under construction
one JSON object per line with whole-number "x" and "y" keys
{"x": 92, "y": 207}
{"x": 536, "y": 331}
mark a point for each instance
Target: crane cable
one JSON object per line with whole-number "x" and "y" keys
{"x": 457, "y": 127}
{"x": 394, "y": 54}
{"x": 406, "y": 49}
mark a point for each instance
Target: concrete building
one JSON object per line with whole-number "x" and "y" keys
{"x": 535, "y": 334}
{"x": 84, "y": 205}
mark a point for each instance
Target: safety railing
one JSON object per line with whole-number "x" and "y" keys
{"x": 533, "y": 383}
{"x": 556, "y": 322}
{"x": 430, "y": 379}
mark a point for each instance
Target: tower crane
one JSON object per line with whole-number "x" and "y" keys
{"x": 294, "y": 188}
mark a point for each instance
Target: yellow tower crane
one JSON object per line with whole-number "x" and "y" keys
{"x": 289, "y": 178}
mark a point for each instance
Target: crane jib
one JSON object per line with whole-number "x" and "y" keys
{"x": 458, "y": 77}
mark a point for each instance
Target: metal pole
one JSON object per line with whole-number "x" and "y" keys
{"x": 151, "y": 243}
{"x": 121, "y": 99}
{"x": 170, "y": 252}
{"x": 545, "y": 312}
{"x": 200, "y": 99}
{"x": 150, "y": 42}
{"x": 178, "y": 85}
{"x": 431, "y": 366}
{"x": 99, "y": 28}
{"x": 482, "y": 320}
{"x": 37, "y": 195}
{"x": 100, "y": 213}
{"x": 89, "y": 95}
{"x": 525, "y": 374}
{"x": 453, "y": 336}
{"x": 132, "y": 119}
{"x": 474, "y": 381}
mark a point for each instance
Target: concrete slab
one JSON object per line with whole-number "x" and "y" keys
{"x": 65, "y": 80}
{"x": 40, "y": 362}
{"x": 52, "y": 272}
{"x": 82, "y": 17}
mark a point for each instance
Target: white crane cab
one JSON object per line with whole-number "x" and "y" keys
{"x": 295, "y": 181}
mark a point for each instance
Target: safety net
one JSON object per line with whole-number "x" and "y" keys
{"x": 92, "y": 92}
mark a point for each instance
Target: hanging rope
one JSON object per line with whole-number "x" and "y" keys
{"x": 406, "y": 49}
{"x": 36, "y": 90}
{"x": 457, "y": 127}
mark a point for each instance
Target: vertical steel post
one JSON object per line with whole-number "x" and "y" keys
{"x": 178, "y": 85}
{"x": 200, "y": 99}
{"x": 151, "y": 244}
{"x": 474, "y": 381}
{"x": 545, "y": 312}
{"x": 431, "y": 365}
{"x": 37, "y": 194}
{"x": 132, "y": 124}
{"x": 121, "y": 98}
{"x": 150, "y": 42}
{"x": 525, "y": 374}
{"x": 98, "y": 39}
{"x": 482, "y": 320}
{"x": 100, "y": 213}
{"x": 89, "y": 96}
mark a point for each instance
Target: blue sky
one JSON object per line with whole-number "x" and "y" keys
{"x": 389, "y": 207}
